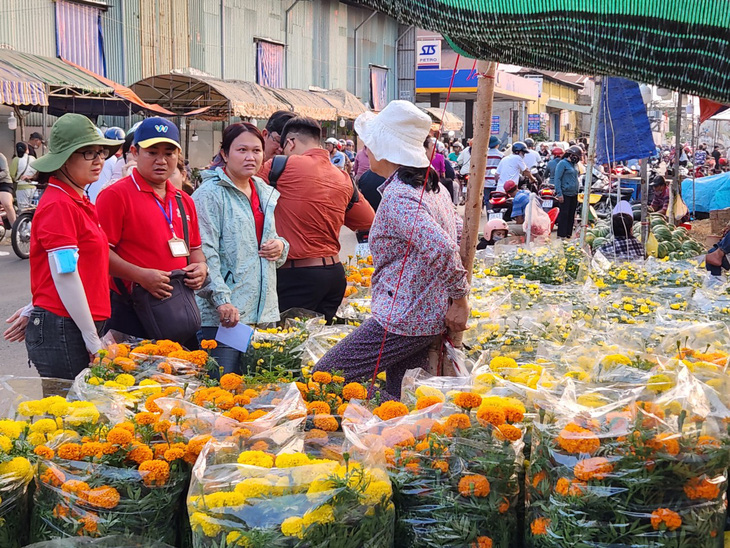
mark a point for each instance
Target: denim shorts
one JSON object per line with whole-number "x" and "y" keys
{"x": 55, "y": 345}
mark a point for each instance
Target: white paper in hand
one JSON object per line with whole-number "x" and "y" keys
{"x": 237, "y": 337}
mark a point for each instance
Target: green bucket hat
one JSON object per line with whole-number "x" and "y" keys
{"x": 70, "y": 133}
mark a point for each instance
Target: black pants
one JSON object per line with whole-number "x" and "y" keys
{"x": 566, "y": 219}
{"x": 316, "y": 288}
{"x": 125, "y": 320}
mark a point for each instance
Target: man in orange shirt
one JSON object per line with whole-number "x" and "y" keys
{"x": 316, "y": 201}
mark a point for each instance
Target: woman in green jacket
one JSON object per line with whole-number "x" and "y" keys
{"x": 240, "y": 242}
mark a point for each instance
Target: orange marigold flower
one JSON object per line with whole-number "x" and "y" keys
{"x": 319, "y": 408}
{"x": 257, "y": 414}
{"x": 664, "y": 442}
{"x": 398, "y": 436}
{"x": 231, "y": 381}
{"x": 127, "y": 426}
{"x": 162, "y": 426}
{"x": 53, "y": 476}
{"x": 503, "y": 506}
{"x": 90, "y": 522}
{"x": 195, "y": 446}
{"x": 390, "y": 410}
{"x": 177, "y": 412}
{"x": 44, "y": 452}
{"x": 666, "y": 517}
{"x": 427, "y": 401}
{"x": 108, "y": 448}
{"x": 514, "y": 413}
{"x": 241, "y": 400}
{"x": 562, "y": 486}
{"x": 456, "y": 422}
{"x": 651, "y": 414}
{"x": 704, "y": 442}
{"x": 140, "y": 453}
{"x": 596, "y": 468}
{"x": 145, "y": 418}
{"x": 441, "y": 465}
{"x": 326, "y": 422}
{"x": 341, "y": 409}
{"x": 576, "y": 439}
{"x": 198, "y": 357}
{"x": 167, "y": 346}
{"x": 149, "y": 349}
{"x": 474, "y": 484}
{"x": 150, "y": 404}
{"x": 76, "y": 487}
{"x": 125, "y": 364}
{"x": 697, "y": 488}
{"x": 508, "y": 432}
{"x": 104, "y": 497}
{"x": 322, "y": 377}
{"x": 491, "y": 414}
{"x": 119, "y": 436}
{"x": 338, "y": 379}
{"x": 413, "y": 467}
{"x": 154, "y": 472}
{"x": 69, "y": 451}
{"x": 208, "y": 344}
{"x": 540, "y": 526}
{"x": 437, "y": 428}
{"x": 260, "y": 445}
{"x": 482, "y": 542}
{"x": 224, "y": 401}
{"x": 354, "y": 391}
{"x": 250, "y": 393}
{"x": 164, "y": 367}
{"x": 539, "y": 477}
{"x": 174, "y": 454}
{"x": 60, "y": 511}
{"x": 239, "y": 414}
{"x": 92, "y": 449}
{"x": 467, "y": 400}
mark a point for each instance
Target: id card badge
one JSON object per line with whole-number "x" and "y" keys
{"x": 178, "y": 247}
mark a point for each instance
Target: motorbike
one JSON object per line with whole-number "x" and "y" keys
{"x": 500, "y": 206}
{"x": 20, "y": 238}
{"x": 547, "y": 196}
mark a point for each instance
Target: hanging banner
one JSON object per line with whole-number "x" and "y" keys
{"x": 269, "y": 64}
{"x": 429, "y": 54}
{"x": 378, "y": 87}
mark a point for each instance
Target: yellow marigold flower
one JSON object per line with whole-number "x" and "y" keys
{"x": 124, "y": 379}
{"x": 252, "y": 488}
{"x": 31, "y": 408}
{"x": 612, "y": 360}
{"x": 55, "y": 405}
{"x": 354, "y": 391}
{"x": 660, "y": 383}
{"x": 323, "y": 514}
{"x": 19, "y": 468}
{"x": 429, "y": 391}
{"x": 377, "y": 492}
{"x": 256, "y": 458}
{"x": 290, "y": 460}
{"x": 205, "y": 523}
{"x": 82, "y": 412}
{"x": 293, "y": 527}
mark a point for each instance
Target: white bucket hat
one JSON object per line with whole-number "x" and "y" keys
{"x": 396, "y": 134}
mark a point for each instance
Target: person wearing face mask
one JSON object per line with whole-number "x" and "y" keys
{"x": 240, "y": 241}
{"x": 69, "y": 253}
{"x": 495, "y": 231}
{"x": 566, "y": 190}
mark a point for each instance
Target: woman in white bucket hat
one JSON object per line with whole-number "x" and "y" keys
{"x": 419, "y": 286}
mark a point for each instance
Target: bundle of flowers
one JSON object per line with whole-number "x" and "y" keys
{"x": 355, "y": 309}
{"x": 453, "y": 461}
{"x": 321, "y": 341}
{"x": 652, "y": 273}
{"x": 258, "y": 488}
{"x": 278, "y": 348}
{"x": 546, "y": 264}
{"x": 513, "y": 337}
{"x": 626, "y": 472}
{"x": 164, "y": 356}
{"x": 103, "y": 479}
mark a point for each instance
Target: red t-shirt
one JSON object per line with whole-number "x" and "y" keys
{"x": 132, "y": 216}
{"x": 65, "y": 220}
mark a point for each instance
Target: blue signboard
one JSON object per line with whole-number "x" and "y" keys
{"x": 495, "y": 125}
{"x": 533, "y": 123}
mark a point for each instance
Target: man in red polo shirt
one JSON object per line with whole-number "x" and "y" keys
{"x": 143, "y": 222}
{"x": 311, "y": 210}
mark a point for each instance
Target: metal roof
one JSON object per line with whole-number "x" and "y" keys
{"x": 20, "y": 89}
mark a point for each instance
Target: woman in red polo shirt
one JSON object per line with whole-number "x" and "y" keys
{"x": 69, "y": 253}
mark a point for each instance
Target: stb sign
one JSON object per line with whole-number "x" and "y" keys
{"x": 428, "y": 54}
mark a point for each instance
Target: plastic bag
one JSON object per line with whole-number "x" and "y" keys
{"x": 629, "y": 470}
{"x": 115, "y": 541}
{"x": 255, "y": 491}
{"x": 453, "y": 460}
{"x": 536, "y": 221}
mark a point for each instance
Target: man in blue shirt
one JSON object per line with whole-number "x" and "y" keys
{"x": 557, "y": 153}
{"x": 566, "y": 190}
{"x": 520, "y": 201}
{"x": 336, "y": 157}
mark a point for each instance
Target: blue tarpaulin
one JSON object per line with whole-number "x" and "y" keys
{"x": 623, "y": 129}
{"x": 710, "y": 193}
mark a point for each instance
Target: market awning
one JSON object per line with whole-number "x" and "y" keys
{"x": 69, "y": 88}
{"x": 307, "y": 103}
{"x": 677, "y": 46}
{"x": 210, "y": 98}
{"x": 348, "y": 106}
{"x": 20, "y": 89}
{"x": 450, "y": 120}
{"x": 562, "y": 105}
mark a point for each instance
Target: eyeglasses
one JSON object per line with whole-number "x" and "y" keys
{"x": 289, "y": 140}
{"x": 276, "y": 139}
{"x": 91, "y": 155}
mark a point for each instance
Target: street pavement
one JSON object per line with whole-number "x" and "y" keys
{"x": 14, "y": 293}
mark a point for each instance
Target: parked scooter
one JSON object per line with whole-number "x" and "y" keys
{"x": 500, "y": 205}
{"x": 547, "y": 196}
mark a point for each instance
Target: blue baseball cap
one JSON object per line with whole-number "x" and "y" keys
{"x": 156, "y": 130}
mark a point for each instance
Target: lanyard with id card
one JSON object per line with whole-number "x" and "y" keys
{"x": 178, "y": 247}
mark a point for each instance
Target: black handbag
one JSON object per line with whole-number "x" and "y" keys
{"x": 177, "y": 317}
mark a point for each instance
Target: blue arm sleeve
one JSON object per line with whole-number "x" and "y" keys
{"x": 66, "y": 260}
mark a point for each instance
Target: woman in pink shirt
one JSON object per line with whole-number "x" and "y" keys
{"x": 419, "y": 286}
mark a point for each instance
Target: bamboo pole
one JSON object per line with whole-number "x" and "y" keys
{"x": 677, "y": 154}
{"x": 595, "y": 110}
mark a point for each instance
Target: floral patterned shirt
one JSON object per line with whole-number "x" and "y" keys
{"x": 433, "y": 271}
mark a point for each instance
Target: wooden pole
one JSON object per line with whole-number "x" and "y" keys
{"x": 595, "y": 110}
{"x": 644, "y": 202}
{"x": 677, "y": 154}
